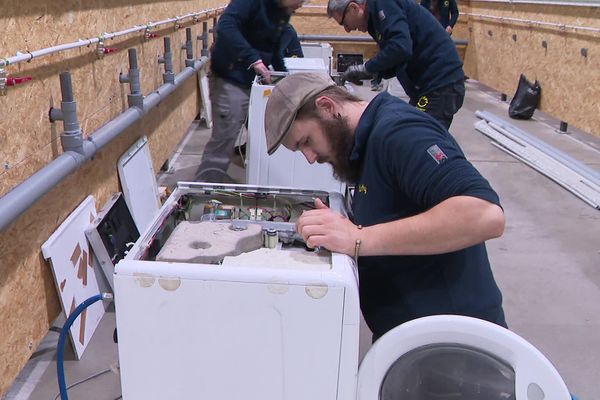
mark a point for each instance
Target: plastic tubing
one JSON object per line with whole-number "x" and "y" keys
{"x": 60, "y": 348}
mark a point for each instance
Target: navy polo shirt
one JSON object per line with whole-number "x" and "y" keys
{"x": 248, "y": 30}
{"x": 413, "y": 46}
{"x": 408, "y": 164}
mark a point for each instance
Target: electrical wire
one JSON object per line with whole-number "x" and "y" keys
{"x": 97, "y": 374}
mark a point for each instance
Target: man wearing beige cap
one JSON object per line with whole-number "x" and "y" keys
{"x": 421, "y": 211}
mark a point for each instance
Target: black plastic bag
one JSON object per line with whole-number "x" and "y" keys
{"x": 526, "y": 99}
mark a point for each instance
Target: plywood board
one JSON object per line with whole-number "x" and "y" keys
{"x": 73, "y": 264}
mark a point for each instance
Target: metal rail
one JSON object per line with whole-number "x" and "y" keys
{"x": 353, "y": 38}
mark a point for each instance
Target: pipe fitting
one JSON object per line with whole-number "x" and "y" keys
{"x": 204, "y": 39}
{"x": 71, "y": 138}
{"x": 189, "y": 48}
{"x": 135, "y": 98}
{"x": 167, "y": 60}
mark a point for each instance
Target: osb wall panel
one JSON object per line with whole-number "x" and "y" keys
{"x": 499, "y": 51}
{"x": 28, "y": 301}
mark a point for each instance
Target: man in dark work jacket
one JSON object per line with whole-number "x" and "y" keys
{"x": 413, "y": 47}
{"x": 445, "y": 11}
{"x": 248, "y": 41}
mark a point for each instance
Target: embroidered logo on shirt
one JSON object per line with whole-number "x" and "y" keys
{"x": 437, "y": 154}
{"x": 381, "y": 15}
{"x": 362, "y": 189}
{"x": 422, "y": 103}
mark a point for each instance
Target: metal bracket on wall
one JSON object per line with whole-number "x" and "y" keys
{"x": 100, "y": 49}
{"x": 2, "y": 81}
{"x": 148, "y": 33}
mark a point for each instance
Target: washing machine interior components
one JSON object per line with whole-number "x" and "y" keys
{"x": 284, "y": 168}
{"x": 210, "y": 217}
{"x": 209, "y": 242}
{"x": 112, "y": 234}
{"x": 269, "y": 324}
{"x": 455, "y": 357}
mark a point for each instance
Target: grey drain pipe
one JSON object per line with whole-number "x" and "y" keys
{"x": 27, "y": 193}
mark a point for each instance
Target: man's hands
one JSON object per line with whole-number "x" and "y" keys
{"x": 449, "y": 30}
{"x": 325, "y": 228}
{"x": 261, "y": 69}
{"x": 356, "y": 74}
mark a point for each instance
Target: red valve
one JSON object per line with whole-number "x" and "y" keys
{"x": 12, "y": 81}
{"x": 151, "y": 35}
{"x": 108, "y": 50}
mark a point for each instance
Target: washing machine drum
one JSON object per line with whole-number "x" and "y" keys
{"x": 456, "y": 358}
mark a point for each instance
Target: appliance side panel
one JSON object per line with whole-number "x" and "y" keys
{"x": 194, "y": 338}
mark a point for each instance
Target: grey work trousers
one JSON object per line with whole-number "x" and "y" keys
{"x": 229, "y": 112}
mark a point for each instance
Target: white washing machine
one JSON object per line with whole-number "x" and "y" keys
{"x": 210, "y": 306}
{"x": 459, "y": 358}
{"x": 219, "y": 300}
{"x": 283, "y": 168}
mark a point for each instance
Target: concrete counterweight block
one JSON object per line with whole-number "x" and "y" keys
{"x": 209, "y": 242}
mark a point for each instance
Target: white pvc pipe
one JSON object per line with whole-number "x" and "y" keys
{"x": 532, "y": 22}
{"x": 541, "y": 2}
{"x": 30, "y": 55}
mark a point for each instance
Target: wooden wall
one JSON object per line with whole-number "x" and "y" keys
{"x": 28, "y": 300}
{"x": 499, "y": 51}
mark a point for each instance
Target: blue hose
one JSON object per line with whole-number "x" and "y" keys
{"x": 60, "y": 349}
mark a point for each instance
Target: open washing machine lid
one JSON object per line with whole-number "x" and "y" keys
{"x": 458, "y": 358}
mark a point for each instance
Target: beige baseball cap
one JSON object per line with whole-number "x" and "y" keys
{"x": 288, "y": 96}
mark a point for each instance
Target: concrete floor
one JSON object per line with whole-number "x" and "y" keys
{"x": 547, "y": 263}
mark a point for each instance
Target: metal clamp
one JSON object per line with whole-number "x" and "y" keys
{"x": 177, "y": 23}
{"x": 147, "y": 33}
{"x": 2, "y": 81}
{"x": 100, "y": 50}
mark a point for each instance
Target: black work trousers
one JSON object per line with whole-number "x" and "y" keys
{"x": 442, "y": 103}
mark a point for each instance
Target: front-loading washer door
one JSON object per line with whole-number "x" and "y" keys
{"x": 456, "y": 358}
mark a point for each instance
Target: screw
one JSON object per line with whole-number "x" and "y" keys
{"x": 563, "y": 127}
